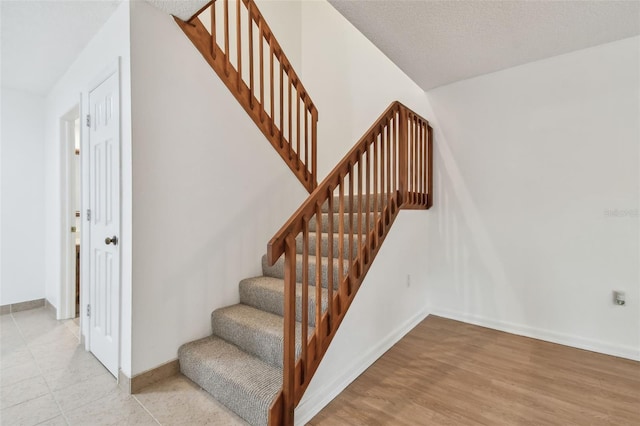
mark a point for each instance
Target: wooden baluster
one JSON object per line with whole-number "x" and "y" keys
{"x": 341, "y": 242}
{"x": 226, "y": 37}
{"x": 271, "y": 85}
{"x": 388, "y": 196}
{"x": 251, "y": 91}
{"x": 412, "y": 173}
{"x": 290, "y": 114}
{"x": 394, "y": 149}
{"x": 289, "y": 356}
{"x": 239, "y": 41}
{"x": 375, "y": 190}
{"x": 423, "y": 177}
{"x": 297, "y": 122}
{"x": 360, "y": 212}
{"x": 402, "y": 155}
{"x": 305, "y": 295}
{"x": 382, "y": 178}
{"x": 282, "y": 102}
{"x": 318, "y": 330}
{"x": 416, "y": 160}
{"x": 368, "y": 200}
{"x": 213, "y": 30}
{"x": 330, "y": 283}
{"x": 260, "y": 38}
{"x": 314, "y": 144}
{"x": 429, "y": 167}
{"x": 306, "y": 138}
{"x": 350, "y": 173}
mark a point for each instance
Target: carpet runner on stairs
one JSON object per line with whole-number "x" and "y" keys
{"x": 241, "y": 363}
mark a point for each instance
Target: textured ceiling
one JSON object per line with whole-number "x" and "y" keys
{"x": 439, "y": 42}
{"x": 434, "y": 42}
{"x": 41, "y": 39}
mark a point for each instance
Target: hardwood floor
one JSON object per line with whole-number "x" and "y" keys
{"x": 446, "y": 372}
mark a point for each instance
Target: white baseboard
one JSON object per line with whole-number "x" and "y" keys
{"x": 312, "y": 404}
{"x": 622, "y": 351}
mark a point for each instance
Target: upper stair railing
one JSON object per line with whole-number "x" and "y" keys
{"x": 241, "y": 48}
{"x": 390, "y": 168}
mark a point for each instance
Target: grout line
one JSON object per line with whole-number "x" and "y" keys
{"x": 145, "y": 409}
{"x": 40, "y": 371}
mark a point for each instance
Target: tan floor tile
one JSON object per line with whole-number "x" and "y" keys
{"x": 178, "y": 401}
{"x": 47, "y": 335}
{"x": 31, "y": 412}
{"x": 68, "y": 343}
{"x": 22, "y": 391}
{"x": 56, "y": 421}
{"x": 18, "y": 373}
{"x": 114, "y": 409}
{"x": 15, "y": 357}
{"x": 85, "y": 392}
{"x": 60, "y": 379}
{"x": 61, "y": 359}
{"x": 11, "y": 343}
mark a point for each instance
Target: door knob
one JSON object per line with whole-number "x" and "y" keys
{"x": 113, "y": 240}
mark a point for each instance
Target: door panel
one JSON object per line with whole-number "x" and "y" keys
{"x": 104, "y": 157}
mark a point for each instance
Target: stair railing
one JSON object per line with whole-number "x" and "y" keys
{"x": 390, "y": 168}
{"x": 235, "y": 40}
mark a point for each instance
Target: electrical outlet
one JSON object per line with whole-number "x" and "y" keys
{"x": 619, "y": 298}
{"x": 408, "y": 280}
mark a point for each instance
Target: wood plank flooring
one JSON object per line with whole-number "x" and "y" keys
{"x": 446, "y": 372}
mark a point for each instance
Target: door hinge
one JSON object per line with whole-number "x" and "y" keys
{"x": 89, "y": 310}
{"x": 88, "y": 214}
{"x": 88, "y": 120}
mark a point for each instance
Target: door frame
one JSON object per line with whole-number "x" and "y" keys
{"x": 85, "y": 283}
{"x": 67, "y": 305}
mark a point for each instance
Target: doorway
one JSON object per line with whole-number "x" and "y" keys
{"x": 71, "y": 222}
{"x": 91, "y": 217}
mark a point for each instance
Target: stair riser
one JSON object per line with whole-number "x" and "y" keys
{"x": 269, "y": 348}
{"x": 356, "y": 205}
{"x": 277, "y": 271}
{"x": 273, "y": 301}
{"x": 324, "y": 242}
{"x": 224, "y": 391}
{"x": 313, "y": 223}
{"x": 251, "y": 398}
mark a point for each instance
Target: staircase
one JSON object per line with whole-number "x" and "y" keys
{"x": 241, "y": 363}
{"x": 264, "y": 351}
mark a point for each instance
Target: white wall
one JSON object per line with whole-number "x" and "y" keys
{"x": 352, "y": 83}
{"x": 531, "y": 165}
{"x": 209, "y": 191}
{"x": 22, "y": 216}
{"x": 109, "y": 44}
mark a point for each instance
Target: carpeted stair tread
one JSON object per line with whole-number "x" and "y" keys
{"x": 254, "y": 331}
{"x": 242, "y": 382}
{"x": 313, "y": 223}
{"x": 324, "y": 244}
{"x": 382, "y": 200}
{"x": 277, "y": 270}
{"x": 267, "y": 294}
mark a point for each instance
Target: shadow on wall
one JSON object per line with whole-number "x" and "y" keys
{"x": 462, "y": 255}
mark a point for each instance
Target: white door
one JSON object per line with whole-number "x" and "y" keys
{"x": 104, "y": 180}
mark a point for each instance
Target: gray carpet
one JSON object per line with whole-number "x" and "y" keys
{"x": 241, "y": 363}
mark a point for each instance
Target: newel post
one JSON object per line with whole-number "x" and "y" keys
{"x": 403, "y": 159}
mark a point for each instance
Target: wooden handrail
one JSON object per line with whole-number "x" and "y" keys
{"x": 293, "y": 134}
{"x": 388, "y": 169}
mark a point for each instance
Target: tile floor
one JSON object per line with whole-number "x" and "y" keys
{"x": 47, "y": 378}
